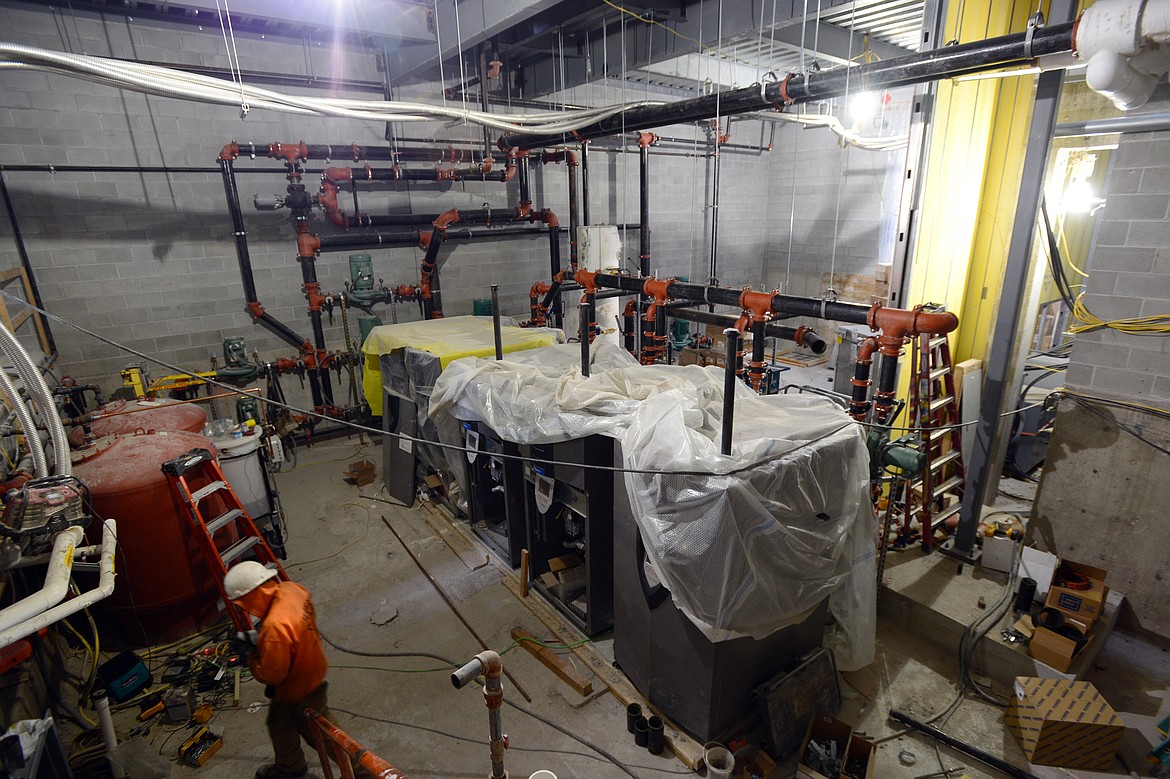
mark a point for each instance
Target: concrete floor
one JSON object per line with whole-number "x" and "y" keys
{"x": 340, "y": 549}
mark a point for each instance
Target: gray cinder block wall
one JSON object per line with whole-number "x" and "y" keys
{"x": 148, "y": 259}
{"x": 1103, "y": 495}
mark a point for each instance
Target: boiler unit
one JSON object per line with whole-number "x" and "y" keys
{"x": 496, "y": 490}
{"x": 703, "y": 686}
{"x": 570, "y": 529}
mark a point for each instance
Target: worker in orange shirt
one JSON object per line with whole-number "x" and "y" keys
{"x": 288, "y": 658}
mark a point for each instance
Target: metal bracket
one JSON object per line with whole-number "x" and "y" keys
{"x": 1035, "y": 22}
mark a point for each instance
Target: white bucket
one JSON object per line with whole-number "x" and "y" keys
{"x": 239, "y": 459}
{"x": 720, "y": 763}
{"x": 542, "y": 774}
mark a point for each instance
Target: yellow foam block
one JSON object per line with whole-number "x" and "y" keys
{"x": 448, "y": 339}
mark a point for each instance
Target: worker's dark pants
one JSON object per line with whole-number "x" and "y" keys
{"x": 287, "y": 725}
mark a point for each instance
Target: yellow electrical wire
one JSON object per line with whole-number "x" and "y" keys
{"x": 1158, "y": 324}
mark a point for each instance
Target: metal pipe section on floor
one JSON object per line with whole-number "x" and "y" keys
{"x": 798, "y": 88}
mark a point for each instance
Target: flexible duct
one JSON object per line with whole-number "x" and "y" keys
{"x": 27, "y": 425}
{"x": 39, "y": 392}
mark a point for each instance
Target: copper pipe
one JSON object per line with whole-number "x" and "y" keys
{"x": 374, "y": 766}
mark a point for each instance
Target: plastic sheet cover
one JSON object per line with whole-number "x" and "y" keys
{"x": 747, "y": 543}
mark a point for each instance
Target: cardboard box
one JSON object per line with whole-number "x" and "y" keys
{"x": 825, "y": 730}
{"x": 1063, "y": 723}
{"x": 693, "y": 356}
{"x": 859, "y": 759}
{"x": 1083, "y": 605}
{"x": 1052, "y": 649}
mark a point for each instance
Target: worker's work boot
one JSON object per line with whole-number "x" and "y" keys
{"x": 272, "y": 772}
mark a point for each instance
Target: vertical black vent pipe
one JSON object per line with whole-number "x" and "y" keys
{"x": 729, "y": 380}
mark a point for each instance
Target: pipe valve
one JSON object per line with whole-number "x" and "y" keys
{"x": 267, "y": 202}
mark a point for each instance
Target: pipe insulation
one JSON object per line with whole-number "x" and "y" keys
{"x": 104, "y": 589}
{"x": 168, "y": 82}
{"x": 55, "y": 586}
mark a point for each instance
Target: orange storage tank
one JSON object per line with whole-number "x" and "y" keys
{"x": 126, "y": 416}
{"x": 164, "y": 590}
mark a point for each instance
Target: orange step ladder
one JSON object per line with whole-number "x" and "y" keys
{"x": 200, "y": 483}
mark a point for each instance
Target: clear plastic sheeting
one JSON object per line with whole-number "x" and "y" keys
{"x": 751, "y": 542}
{"x": 746, "y": 543}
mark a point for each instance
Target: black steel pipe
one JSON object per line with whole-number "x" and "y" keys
{"x": 574, "y": 213}
{"x": 962, "y": 746}
{"x": 644, "y": 211}
{"x": 772, "y": 329}
{"x": 319, "y": 386}
{"x": 353, "y": 241}
{"x": 232, "y": 194}
{"x": 883, "y": 399}
{"x": 496, "y": 334}
{"x": 359, "y": 175}
{"x": 819, "y": 85}
{"x": 583, "y": 333}
{"x": 786, "y": 305}
{"x": 591, "y": 303}
{"x": 859, "y": 399}
{"x": 756, "y": 374}
{"x": 554, "y": 265}
{"x": 585, "y": 183}
{"x": 522, "y": 170}
{"x": 628, "y": 337}
{"x": 345, "y": 151}
{"x": 729, "y": 379}
{"x": 432, "y": 305}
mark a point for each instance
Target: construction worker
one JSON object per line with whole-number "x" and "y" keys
{"x": 287, "y": 657}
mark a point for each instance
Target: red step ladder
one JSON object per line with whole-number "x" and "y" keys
{"x": 230, "y": 535}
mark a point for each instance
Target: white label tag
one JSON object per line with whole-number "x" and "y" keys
{"x": 472, "y": 445}
{"x": 1019, "y": 691}
{"x": 405, "y": 444}
{"x": 544, "y": 493}
{"x": 276, "y": 448}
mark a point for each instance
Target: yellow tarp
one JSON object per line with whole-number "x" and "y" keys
{"x": 448, "y": 339}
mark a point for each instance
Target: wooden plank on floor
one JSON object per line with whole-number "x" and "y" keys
{"x": 445, "y": 529}
{"x": 553, "y": 662}
{"x": 689, "y": 751}
{"x": 685, "y": 748}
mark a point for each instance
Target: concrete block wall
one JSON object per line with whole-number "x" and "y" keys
{"x": 1130, "y": 276}
{"x": 148, "y": 259}
{"x": 1102, "y": 496}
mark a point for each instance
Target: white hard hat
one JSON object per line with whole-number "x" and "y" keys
{"x": 245, "y": 577}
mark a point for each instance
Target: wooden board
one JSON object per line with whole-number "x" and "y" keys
{"x": 553, "y": 662}
{"x": 458, "y": 544}
{"x": 802, "y": 359}
{"x": 685, "y": 748}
